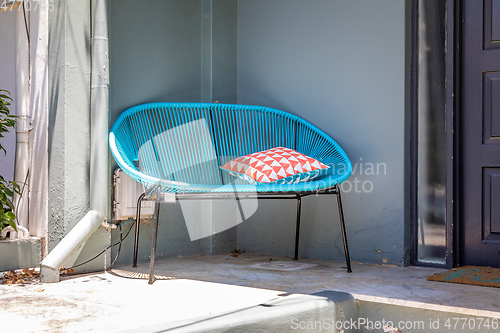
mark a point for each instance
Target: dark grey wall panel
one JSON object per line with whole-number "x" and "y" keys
{"x": 491, "y": 108}
{"x": 495, "y": 18}
{"x": 491, "y": 24}
{"x": 491, "y": 209}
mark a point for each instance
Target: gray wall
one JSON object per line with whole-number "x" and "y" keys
{"x": 340, "y": 65}
{"x": 224, "y": 50}
{"x": 173, "y": 51}
{"x": 8, "y": 82}
{"x": 69, "y": 126}
{"x": 161, "y": 51}
{"x": 69, "y": 116}
{"x": 155, "y": 52}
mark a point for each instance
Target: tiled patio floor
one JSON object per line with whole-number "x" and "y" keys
{"x": 193, "y": 289}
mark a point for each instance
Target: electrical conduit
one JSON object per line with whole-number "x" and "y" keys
{"x": 70, "y": 246}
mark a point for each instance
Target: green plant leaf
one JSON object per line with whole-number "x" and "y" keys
{"x": 12, "y": 223}
{"x": 8, "y": 192}
{"x": 9, "y": 204}
{"x": 16, "y": 187}
{"x": 7, "y": 188}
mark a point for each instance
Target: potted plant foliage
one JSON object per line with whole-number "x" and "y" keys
{"x": 7, "y": 188}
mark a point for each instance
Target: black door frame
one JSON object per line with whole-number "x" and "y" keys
{"x": 453, "y": 103}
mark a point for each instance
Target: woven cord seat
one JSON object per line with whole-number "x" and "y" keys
{"x": 179, "y": 148}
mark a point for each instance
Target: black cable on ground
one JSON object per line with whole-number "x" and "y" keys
{"x": 21, "y": 193}
{"x": 110, "y": 246}
{"x": 121, "y": 237}
{"x": 119, "y": 246}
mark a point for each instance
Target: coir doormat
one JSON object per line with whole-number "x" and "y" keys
{"x": 480, "y": 276}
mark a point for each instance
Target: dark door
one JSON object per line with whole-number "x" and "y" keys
{"x": 480, "y": 140}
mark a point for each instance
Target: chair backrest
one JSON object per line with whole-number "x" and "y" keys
{"x": 187, "y": 142}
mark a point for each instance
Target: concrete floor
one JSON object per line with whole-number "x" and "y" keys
{"x": 255, "y": 293}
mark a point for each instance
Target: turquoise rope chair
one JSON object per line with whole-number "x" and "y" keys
{"x": 178, "y": 148}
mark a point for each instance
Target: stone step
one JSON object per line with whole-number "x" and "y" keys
{"x": 321, "y": 312}
{"x": 20, "y": 253}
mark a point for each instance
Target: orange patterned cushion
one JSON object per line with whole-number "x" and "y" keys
{"x": 276, "y": 165}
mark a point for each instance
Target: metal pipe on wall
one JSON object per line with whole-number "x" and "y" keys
{"x": 99, "y": 180}
{"x": 21, "y": 102}
{"x": 39, "y": 137}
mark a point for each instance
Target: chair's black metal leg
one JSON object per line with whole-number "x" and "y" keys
{"x": 153, "y": 242}
{"x": 344, "y": 235}
{"x": 297, "y": 229}
{"x": 137, "y": 226}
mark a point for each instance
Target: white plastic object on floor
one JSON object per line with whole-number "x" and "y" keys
{"x": 70, "y": 246}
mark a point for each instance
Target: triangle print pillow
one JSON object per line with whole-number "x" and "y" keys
{"x": 277, "y": 166}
